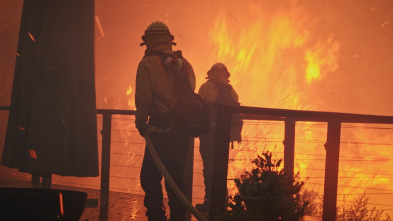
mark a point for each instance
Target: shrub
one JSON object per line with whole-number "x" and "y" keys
{"x": 266, "y": 193}
{"x": 359, "y": 210}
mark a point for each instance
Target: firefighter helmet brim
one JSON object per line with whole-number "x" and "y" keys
{"x": 156, "y": 28}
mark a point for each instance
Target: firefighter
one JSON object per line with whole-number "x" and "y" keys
{"x": 216, "y": 89}
{"x": 155, "y": 96}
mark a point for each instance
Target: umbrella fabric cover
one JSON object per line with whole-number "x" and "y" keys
{"x": 52, "y": 126}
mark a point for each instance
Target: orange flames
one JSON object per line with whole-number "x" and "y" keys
{"x": 321, "y": 60}
{"x": 260, "y": 51}
{"x": 262, "y": 73}
{"x": 273, "y": 61}
{"x": 279, "y": 58}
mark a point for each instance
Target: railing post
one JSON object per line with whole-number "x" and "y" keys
{"x": 35, "y": 180}
{"x": 105, "y": 165}
{"x": 220, "y": 168}
{"x": 332, "y": 147}
{"x": 289, "y": 147}
{"x": 188, "y": 174}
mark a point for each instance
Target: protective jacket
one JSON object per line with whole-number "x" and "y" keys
{"x": 218, "y": 90}
{"x": 209, "y": 91}
{"x": 156, "y": 94}
{"x": 155, "y": 91}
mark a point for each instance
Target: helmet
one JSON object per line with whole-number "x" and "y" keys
{"x": 218, "y": 68}
{"x": 157, "y": 27}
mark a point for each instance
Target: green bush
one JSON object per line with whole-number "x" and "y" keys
{"x": 266, "y": 193}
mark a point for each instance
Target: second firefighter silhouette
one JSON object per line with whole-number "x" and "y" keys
{"x": 216, "y": 90}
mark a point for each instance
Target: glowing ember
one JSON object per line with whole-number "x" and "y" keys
{"x": 33, "y": 154}
{"x": 99, "y": 26}
{"x": 61, "y": 203}
{"x": 385, "y": 23}
{"x": 129, "y": 90}
{"x": 31, "y": 37}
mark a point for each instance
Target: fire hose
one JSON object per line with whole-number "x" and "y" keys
{"x": 166, "y": 175}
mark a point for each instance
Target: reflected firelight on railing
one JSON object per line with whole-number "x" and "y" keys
{"x": 262, "y": 117}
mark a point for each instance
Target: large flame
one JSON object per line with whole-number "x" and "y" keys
{"x": 263, "y": 74}
{"x": 273, "y": 62}
{"x": 260, "y": 51}
{"x": 321, "y": 60}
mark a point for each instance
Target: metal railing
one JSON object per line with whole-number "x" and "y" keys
{"x": 332, "y": 146}
{"x": 220, "y": 173}
{"x": 105, "y": 156}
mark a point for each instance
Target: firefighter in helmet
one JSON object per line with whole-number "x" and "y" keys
{"x": 155, "y": 96}
{"x": 216, "y": 90}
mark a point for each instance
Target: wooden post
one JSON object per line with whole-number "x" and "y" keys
{"x": 289, "y": 147}
{"x": 188, "y": 174}
{"x": 105, "y": 165}
{"x": 331, "y": 171}
{"x": 221, "y": 155}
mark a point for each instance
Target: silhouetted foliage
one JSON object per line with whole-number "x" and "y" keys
{"x": 358, "y": 211}
{"x": 266, "y": 193}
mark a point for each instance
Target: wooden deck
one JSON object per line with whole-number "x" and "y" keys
{"x": 122, "y": 206}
